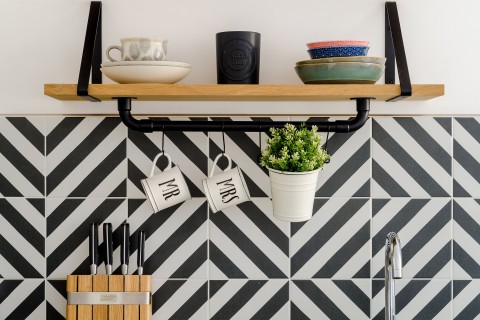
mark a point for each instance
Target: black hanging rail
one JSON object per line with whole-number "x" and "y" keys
{"x": 395, "y": 52}
{"x": 91, "y": 60}
{"x": 149, "y": 125}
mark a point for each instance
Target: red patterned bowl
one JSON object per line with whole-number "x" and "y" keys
{"x": 337, "y": 43}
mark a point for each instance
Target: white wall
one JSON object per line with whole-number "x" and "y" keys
{"x": 42, "y": 42}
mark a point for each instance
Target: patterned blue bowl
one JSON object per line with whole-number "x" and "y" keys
{"x": 338, "y": 52}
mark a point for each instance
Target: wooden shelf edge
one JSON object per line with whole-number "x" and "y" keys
{"x": 262, "y": 92}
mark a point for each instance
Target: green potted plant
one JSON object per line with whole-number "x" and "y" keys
{"x": 293, "y": 157}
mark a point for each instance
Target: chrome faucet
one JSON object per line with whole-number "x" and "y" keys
{"x": 393, "y": 270}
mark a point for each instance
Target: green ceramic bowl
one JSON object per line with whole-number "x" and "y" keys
{"x": 366, "y": 59}
{"x": 340, "y": 73}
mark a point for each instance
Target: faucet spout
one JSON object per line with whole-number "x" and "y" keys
{"x": 393, "y": 270}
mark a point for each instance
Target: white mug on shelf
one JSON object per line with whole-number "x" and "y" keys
{"x": 227, "y": 188}
{"x": 167, "y": 188}
{"x": 140, "y": 49}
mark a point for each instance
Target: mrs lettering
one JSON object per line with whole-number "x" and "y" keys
{"x": 169, "y": 189}
{"x": 227, "y": 190}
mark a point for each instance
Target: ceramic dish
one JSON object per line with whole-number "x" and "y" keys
{"x": 365, "y": 59}
{"x": 147, "y": 63}
{"x": 340, "y": 73}
{"x": 338, "y": 52}
{"x": 145, "y": 74}
{"x": 337, "y": 43}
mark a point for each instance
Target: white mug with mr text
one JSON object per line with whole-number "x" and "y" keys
{"x": 167, "y": 188}
{"x": 227, "y": 188}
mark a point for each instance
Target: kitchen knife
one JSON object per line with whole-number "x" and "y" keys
{"x": 124, "y": 248}
{"x": 107, "y": 240}
{"x": 141, "y": 251}
{"x": 93, "y": 247}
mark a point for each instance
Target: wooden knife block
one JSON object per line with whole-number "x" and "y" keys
{"x": 113, "y": 283}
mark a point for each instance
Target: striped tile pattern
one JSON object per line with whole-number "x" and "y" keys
{"x": 22, "y": 157}
{"x": 334, "y": 243}
{"x": 249, "y": 299}
{"x": 348, "y": 173}
{"x": 22, "y": 238}
{"x": 86, "y": 157}
{"x": 247, "y": 242}
{"x": 188, "y": 150}
{"x": 330, "y": 299}
{"x": 466, "y": 299}
{"x": 466, "y": 238}
{"x": 59, "y": 174}
{"x": 244, "y": 150}
{"x": 415, "y": 299}
{"x": 424, "y": 227}
{"x": 176, "y": 244}
{"x": 466, "y": 155}
{"x": 56, "y": 299}
{"x": 22, "y": 299}
{"x": 411, "y": 157}
{"x": 67, "y": 233}
{"x": 180, "y": 299}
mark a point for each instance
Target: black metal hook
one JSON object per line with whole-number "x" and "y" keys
{"x": 326, "y": 143}
{"x": 223, "y": 137}
{"x": 163, "y": 140}
{"x": 259, "y": 157}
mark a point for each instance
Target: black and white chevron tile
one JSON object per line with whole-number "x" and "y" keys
{"x": 188, "y": 150}
{"x": 22, "y": 238}
{"x": 330, "y": 299}
{"x": 466, "y": 299}
{"x": 86, "y": 157}
{"x": 176, "y": 244}
{"x": 59, "y": 174}
{"x": 180, "y": 299}
{"x": 348, "y": 173}
{"x": 56, "y": 299}
{"x": 415, "y": 299}
{"x": 425, "y": 230}
{"x": 246, "y": 241}
{"x": 22, "y": 157}
{"x": 334, "y": 243}
{"x": 249, "y": 299}
{"x": 22, "y": 299}
{"x": 244, "y": 150}
{"x": 466, "y": 155}
{"x": 466, "y": 238}
{"x": 411, "y": 157}
{"x": 67, "y": 233}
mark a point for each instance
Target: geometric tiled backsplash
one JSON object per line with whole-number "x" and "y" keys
{"x": 418, "y": 176}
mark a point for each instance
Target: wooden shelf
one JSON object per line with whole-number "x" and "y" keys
{"x": 263, "y": 92}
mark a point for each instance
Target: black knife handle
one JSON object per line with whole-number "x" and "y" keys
{"x": 141, "y": 249}
{"x": 107, "y": 240}
{"x": 93, "y": 244}
{"x": 124, "y": 245}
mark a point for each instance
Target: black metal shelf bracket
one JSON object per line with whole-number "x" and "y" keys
{"x": 92, "y": 52}
{"x": 149, "y": 125}
{"x": 395, "y": 52}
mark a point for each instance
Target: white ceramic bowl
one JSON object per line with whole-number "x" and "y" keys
{"x": 145, "y": 74}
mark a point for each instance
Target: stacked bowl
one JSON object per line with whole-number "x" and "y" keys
{"x": 340, "y": 62}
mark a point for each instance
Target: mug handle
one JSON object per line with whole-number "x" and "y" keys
{"x": 110, "y": 58}
{"x": 216, "y": 160}
{"x": 169, "y": 165}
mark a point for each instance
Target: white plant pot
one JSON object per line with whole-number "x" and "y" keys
{"x": 293, "y": 194}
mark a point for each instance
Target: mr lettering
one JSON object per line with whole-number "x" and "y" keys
{"x": 227, "y": 190}
{"x": 169, "y": 189}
